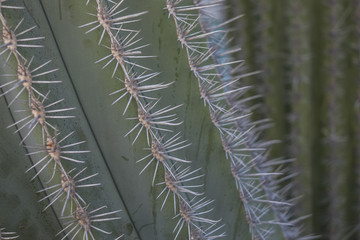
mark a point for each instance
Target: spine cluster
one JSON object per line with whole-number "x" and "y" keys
{"x": 42, "y": 112}
{"x": 157, "y": 122}
{"x": 257, "y": 178}
{"x": 7, "y": 235}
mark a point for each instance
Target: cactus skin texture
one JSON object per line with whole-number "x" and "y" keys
{"x": 150, "y": 161}
{"x": 310, "y": 37}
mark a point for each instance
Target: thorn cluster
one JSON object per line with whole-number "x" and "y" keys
{"x": 84, "y": 221}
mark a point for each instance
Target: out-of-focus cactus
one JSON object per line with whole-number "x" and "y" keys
{"x": 320, "y": 38}
{"x": 149, "y": 161}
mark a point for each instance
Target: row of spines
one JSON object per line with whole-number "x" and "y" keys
{"x": 52, "y": 151}
{"x": 124, "y": 47}
{"x": 236, "y": 130}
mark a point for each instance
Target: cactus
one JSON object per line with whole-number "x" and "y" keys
{"x": 105, "y": 100}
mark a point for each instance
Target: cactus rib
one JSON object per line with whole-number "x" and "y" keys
{"x": 237, "y": 134}
{"x": 155, "y": 123}
{"x": 39, "y": 117}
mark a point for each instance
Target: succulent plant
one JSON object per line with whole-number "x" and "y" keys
{"x": 140, "y": 120}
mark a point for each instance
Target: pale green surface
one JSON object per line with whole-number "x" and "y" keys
{"x": 79, "y": 52}
{"x": 107, "y": 194}
{"x": 206, "y": 150}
